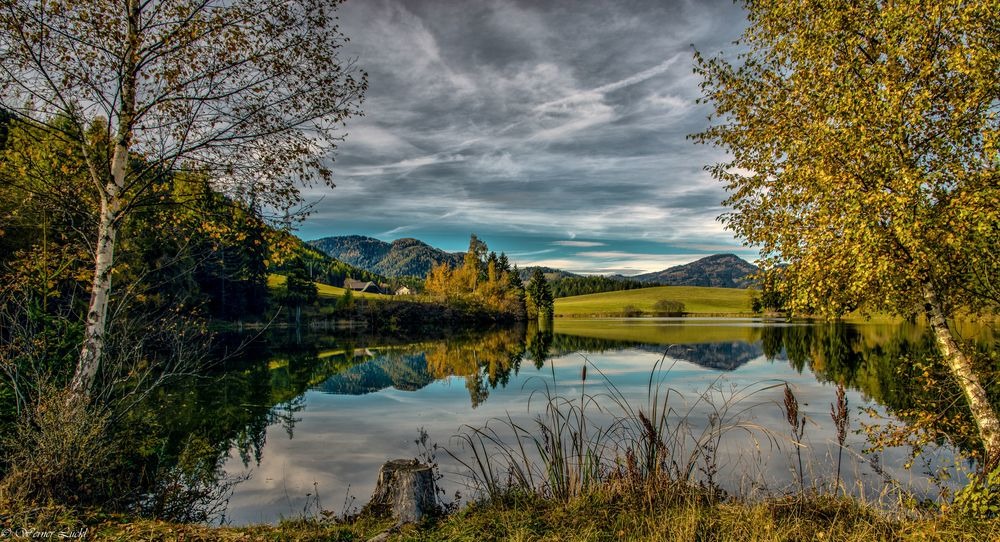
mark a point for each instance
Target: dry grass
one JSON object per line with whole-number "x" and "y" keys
{"x": 123, "y": 530}
{"x": 61, "y": 452}
{"x": 656, "y": 516}
{"x": 646, "y": 513}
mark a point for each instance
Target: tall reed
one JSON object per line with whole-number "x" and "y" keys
{"x": 798, "y": 426}
{"x": 565, "y": 452}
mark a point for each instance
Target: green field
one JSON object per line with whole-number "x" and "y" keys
{"x": 696, "y": 299}
{"x": 324, "y": 290}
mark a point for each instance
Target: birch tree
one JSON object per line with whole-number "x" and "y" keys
{"x": 862, "y": 140}
{"x": 253, "y": 93}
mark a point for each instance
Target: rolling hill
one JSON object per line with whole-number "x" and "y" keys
{"x": 401, "y": 258}
{"x": 718, "y": 271}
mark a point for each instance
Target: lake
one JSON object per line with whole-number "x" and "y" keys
{"x": 307, "y": 419}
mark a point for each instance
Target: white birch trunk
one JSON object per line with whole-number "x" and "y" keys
{"x": 97, "y": 312}
{"x": 107, "y": 229}
{"x": 961, "y": 368}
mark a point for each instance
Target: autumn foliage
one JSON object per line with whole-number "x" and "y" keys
{"x": 482, "y": 282}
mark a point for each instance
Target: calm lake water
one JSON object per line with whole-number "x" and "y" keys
{"x": 310, "y": 419}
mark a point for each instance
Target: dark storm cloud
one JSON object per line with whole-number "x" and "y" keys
{"x": 531, "y": 122}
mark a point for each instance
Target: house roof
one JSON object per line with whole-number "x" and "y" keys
{"x": 361, "y": 286}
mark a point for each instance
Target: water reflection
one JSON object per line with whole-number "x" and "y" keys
{"x": 332, "y": 408}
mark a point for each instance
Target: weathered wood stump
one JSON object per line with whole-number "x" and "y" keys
{"x": 405, "y": 490}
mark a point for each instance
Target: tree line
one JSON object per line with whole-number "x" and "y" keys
{"x": 594, "y": 284}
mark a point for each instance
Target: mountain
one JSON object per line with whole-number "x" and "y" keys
{"x": 401, "y": 258}
{"x": 720, "y": 271}
{"x": 719, "y": 356}
{"x": 406, "y": 372}
{"x": 551, "y": 274}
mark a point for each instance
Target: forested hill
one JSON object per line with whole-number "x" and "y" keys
{"x": 551, "y": 273}
{"x": 320, "y": 267}
{"x": 720, "y": 271}
{"x": 400, "y": 258}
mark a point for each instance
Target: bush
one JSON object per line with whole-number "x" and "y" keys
{"x": 669, "y": 307}
{"x": 630, "y": 311}
{"x": 60, "y": 452}
{"x": 981, "y": 498}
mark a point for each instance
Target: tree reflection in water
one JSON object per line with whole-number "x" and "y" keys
{"x": 892, "y": 364}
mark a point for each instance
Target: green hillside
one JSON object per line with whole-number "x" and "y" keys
{"x": 406, "y": 257}
{"x": 696, "y": 299}
{"x": 324, "y": 290}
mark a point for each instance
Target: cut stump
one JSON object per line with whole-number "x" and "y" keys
{"x": 406, "y": 491}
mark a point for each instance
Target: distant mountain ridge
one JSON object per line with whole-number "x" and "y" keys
{"x": 550, "y": 273}
{"x": 406, "y": 257}
{"x": 414, "y": 258}
{"x": 719, "y": 271}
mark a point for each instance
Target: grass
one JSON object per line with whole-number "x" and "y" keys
{"x": 652, "y": 516}
{"x": 305, "y": 530}
{"x": 324, "y": 290}
{"x": 605, "y": 515}
{"x": 697, "y": 300}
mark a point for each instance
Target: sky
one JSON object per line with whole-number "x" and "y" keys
{"x": 555, "y": 131}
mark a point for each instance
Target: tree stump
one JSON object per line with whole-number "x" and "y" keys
{"x": 405, "y": 490}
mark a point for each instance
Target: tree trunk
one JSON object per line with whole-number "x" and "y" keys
{"x": 111, "y": 208}
{"x": 405, "y": 490}
{"x": 97, "y": 312}
{"x": 961, "y": 368}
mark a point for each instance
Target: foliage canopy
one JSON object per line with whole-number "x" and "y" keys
{"x": 250, "y": 93}
{"x": 863, "y": 140}
{"x": 863, "y": 149}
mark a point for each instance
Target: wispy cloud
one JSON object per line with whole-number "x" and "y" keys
{"x": 532, "y": 121}
{"x": 598, "y": 92}
{"x": 395, "y": 231}
{"x": 532, "y": 253}
{"x": 578, "y": 243}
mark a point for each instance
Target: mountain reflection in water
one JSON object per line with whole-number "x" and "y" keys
{"x": 324, "y": 413}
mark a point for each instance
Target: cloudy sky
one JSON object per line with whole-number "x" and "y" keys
{"x": 555, "y": 131}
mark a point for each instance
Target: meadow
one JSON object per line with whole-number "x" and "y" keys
{"x": 697, "y": 300}
{"x": 323, "y": 290}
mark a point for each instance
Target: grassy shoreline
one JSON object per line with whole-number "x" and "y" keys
{"x": 640, "y": 514}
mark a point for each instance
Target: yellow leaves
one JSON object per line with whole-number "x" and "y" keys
{"x": 868, "y": 125}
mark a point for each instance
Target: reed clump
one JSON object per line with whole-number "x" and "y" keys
{"x": 601, "y": 441}
{"x": 596, "y": 466}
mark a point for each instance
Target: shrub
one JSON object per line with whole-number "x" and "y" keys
{"x": 630, "y": 311}
{"x": 669, "y": 307}
{"x": 981, "y": 498}
{"x": 60, "y": 452}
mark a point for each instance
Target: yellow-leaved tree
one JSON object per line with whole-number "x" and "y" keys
{"x": 862, "y": 140}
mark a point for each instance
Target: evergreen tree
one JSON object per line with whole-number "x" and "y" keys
{"x": 540, "y": 294}
{"x": 298, "y": 290}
